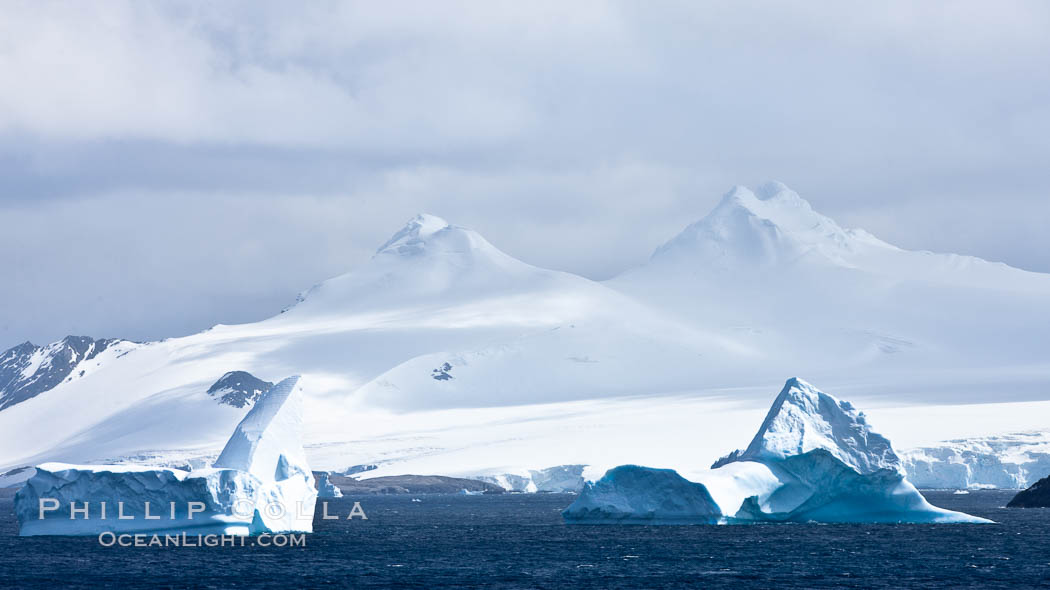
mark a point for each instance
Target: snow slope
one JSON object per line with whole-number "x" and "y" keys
{"x": 445, "y": 355}
{"x": 372, "y": 340}
{"x": 810, "y": 297}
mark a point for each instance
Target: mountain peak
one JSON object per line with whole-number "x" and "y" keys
{"x": 771, "y": 225}
{"x": 427, "y": 259}
{"x": 773, "y": 201}
{"x": 777, "y": 190}
{"x": 410, "y": 238}
{"x": 803, "y": 419}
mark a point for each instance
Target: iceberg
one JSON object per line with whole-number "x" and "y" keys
{"x": 326, "y": 488}
{"x": 814, "y": 459}
{"x": 643, "y": 495}
{"x": 560, "y": 479}
{"x": 261, "y": 483}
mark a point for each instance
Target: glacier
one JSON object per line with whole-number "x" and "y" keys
{"x": 261, "y": 483}
{"x": 814, "y": 459}
{"x": 1005, "y": 461}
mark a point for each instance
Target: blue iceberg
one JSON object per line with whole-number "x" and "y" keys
{"x": 261, "y": 483}
{"x": 814, "y": 459}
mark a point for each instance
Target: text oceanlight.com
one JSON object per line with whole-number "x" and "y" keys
{"x": 108, "y": 539}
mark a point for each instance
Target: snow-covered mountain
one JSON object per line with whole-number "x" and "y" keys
{"x": 770, "y": 227}
{"x": 808, "y": 296}
{"x": 28, "y": 370}
{"x": 438, "y": 318}
{"x": 443, "y": 354}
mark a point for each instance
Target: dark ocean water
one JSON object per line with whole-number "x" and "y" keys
{"x": 519, "y": 541}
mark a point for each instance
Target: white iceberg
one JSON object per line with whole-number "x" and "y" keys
{"x": 815, "y": 459}
{"x": 325, "y": 487}
{"x": 559, "y": 479}
{"x": 261, "y": 483}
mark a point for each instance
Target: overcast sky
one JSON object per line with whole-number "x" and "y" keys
{"x": 167, "y": 167}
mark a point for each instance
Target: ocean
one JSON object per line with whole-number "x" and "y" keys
{"x": 519, "y": 541}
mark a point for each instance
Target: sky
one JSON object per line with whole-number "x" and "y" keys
{"x": 170, "y": 166}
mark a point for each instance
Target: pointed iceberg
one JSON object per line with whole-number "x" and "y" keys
{"x": 261, "y": 483}
{"x": 804, "y": 419}
{"x": 814, "y": 459}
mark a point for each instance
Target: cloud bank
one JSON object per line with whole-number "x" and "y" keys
{"x": 169, "y": 166}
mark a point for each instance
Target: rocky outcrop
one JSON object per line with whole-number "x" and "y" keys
{"x": 1037, "y": 496}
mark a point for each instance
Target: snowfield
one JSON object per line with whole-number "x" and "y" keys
{"x": 444, "y": 355}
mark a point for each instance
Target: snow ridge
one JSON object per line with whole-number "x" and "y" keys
{"x": 427, "y": 234}
{"x": 412, "y": 238}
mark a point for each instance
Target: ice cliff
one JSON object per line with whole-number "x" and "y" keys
{"x": 1011, "y": 461}
{"x": 261, "y": 483}
{"x": 814, "y": 459}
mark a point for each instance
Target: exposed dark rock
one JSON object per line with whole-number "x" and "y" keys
{"x": 27, "y": 370}
{"x": 1037, "y": 496}
{"x": 442, "y": 373}
{"x": 239, "y": 389}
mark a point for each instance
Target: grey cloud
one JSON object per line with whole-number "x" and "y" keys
{"x": 168, "y": 166}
